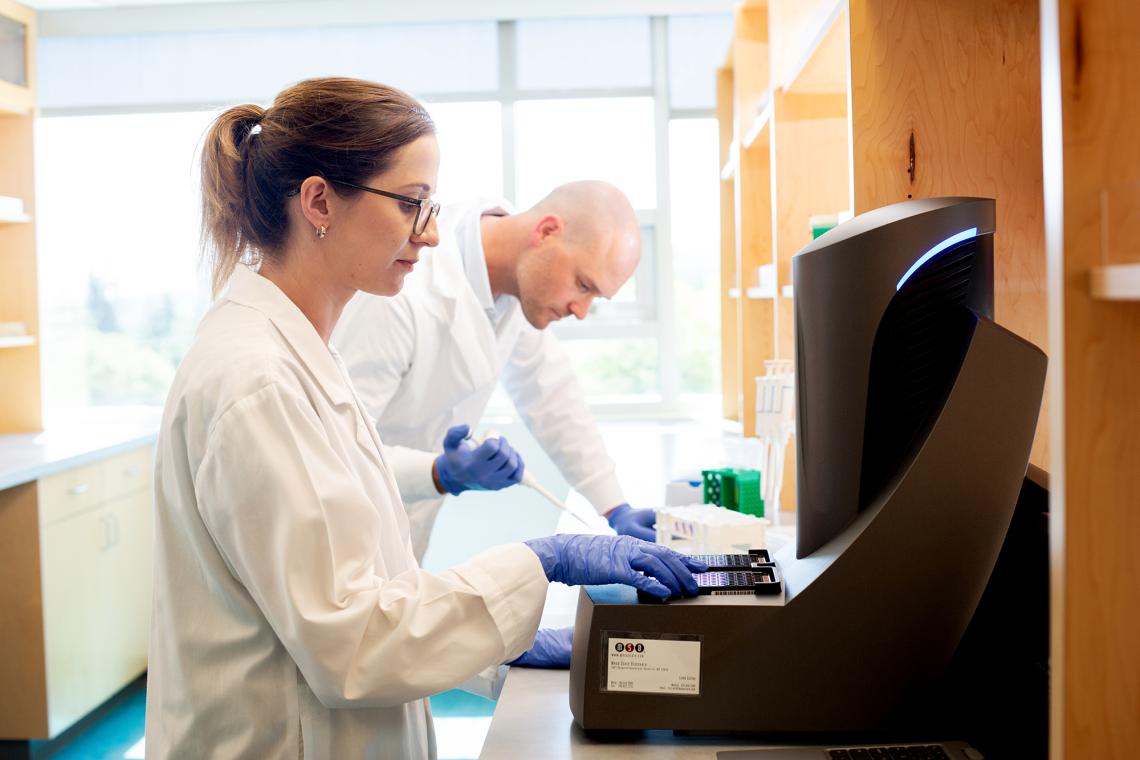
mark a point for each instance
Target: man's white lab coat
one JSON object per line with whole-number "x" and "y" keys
{"x": 430, "y": 357}
{"x": 290, "y": 617}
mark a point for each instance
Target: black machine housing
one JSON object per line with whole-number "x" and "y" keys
{"x": 915, "y": 417}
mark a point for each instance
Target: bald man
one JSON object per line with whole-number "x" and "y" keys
{"x": 474, "y": 312}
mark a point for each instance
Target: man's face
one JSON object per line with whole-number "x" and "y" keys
{"x": 559, "y": 279}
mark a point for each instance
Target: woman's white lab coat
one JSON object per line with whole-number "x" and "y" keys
{"x": 290, "y": 616}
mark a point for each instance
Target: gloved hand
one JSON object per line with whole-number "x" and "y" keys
{"x": 551, "y": 649}
{"x": 638, "y": 523}
{"x": 584, "y": 559}
{"x": 489, "y": 466}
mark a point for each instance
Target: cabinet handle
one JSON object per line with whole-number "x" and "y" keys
{"x": 78, "y": 489}
{"x": 115, "y": 525}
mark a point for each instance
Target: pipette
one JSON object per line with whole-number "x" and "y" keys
{"x": 530, "y": 481}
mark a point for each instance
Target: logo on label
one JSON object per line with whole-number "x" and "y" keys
{"x": 628, "y": 647}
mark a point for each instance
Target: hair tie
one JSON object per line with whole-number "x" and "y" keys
{"x": 255, "y": 129}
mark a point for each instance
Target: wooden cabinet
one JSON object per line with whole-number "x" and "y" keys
{"x": 86, "y": 603}
{"x": 1090, "y": 66}
{"x": 17, "y": 62}
{"x": 830, "y": 106}
{"x": 19, "y": 351}
{"x": 76, "y": 546}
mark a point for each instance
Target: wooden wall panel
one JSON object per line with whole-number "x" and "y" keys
{"x": 749, "y": 65}
{"x": 754, "y": 248}
{"x": 729, "y": 366}
{"x": 1090, "y": 75}
{"x": 960, "y": 82}
{"x": 752, "y": 201}
{"x": 811, "y": 162}
{"x": 810, "y": 159}
{"x": 19, "y": 367}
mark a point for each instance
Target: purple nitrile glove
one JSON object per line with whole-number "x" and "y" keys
{"x": 489, "y": 466}
{"x": 551, "y": 649}
{"x": 638, "y": 523}
{"x": 582, "y": 559}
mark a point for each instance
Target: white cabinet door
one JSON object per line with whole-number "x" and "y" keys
{"x": 96, "y": 572}
{"x": 73, "y": 553}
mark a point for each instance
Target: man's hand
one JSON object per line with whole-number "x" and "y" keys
{"x": 489, "y": 466}
{"x": 628, "y": 521}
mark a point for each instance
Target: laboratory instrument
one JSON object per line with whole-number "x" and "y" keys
{"x": 915, "y": 417}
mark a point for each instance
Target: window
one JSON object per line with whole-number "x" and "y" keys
{"x": 121, "y": 290}
{"x": 696, "y": 48}
{"x": 563, "y": 54}
{"x": 195, "y": 68}
{"x": 615, "y": 371}
{"x": 520, "y": 107}
{"x": 695, "y": 197}
{"x": 471, "y": 150}
{"x": 597, "y": 138}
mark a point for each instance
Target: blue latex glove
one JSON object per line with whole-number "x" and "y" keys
{"x": 638, "y": 523}
{"x": 489, "y": 466}
{"x": 551, "y": 649}
{"x": 584, "y": 559}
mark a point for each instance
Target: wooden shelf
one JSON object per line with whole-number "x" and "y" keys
{"x": 17, "y": 341}
{"x": 21, "y": 402}
{"x": 15, "y": 101}
{"x": 1119, "y": 282}
{"x": 728, "y": 171}
{"x": 848, "y": 111}
{"x": 759, "y": 125}
{"x": 813, "y": 53}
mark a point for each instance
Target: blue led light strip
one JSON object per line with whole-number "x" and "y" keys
{"x": 952, "y": 240}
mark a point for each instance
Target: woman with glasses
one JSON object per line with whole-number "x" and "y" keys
{"x": 290, "y": 616}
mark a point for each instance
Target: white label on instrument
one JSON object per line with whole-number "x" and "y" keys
{"x": 653, "y": 666}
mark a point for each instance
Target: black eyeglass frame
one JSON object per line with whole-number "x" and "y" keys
{"x": 426, "y": 207}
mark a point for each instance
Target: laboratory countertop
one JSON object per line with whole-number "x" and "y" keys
{"x": 72, "y": 441}
{"x": 532, "y": 719}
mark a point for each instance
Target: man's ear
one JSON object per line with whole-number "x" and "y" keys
{"x": 548, "y": 226}
{"x": 314, "y": 198}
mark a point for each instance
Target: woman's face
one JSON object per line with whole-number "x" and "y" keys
{"x": 375, "y": 235}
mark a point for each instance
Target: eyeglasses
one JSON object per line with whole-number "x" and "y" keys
{"x": 426, "y": 208}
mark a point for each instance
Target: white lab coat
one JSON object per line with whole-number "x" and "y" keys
{"x": 290, "y": 617}
{"x": 430, "y": 358}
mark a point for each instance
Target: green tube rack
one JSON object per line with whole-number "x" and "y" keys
{"x": 735, "y": 489}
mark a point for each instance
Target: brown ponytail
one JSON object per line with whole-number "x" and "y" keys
{"x": 254, "y": 158}
{"x": 224, "y": 198}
